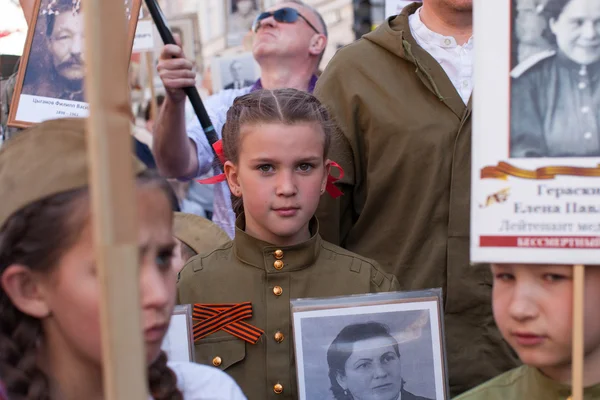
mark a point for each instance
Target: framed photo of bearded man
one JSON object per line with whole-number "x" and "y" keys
{"x": 50, "y": 81}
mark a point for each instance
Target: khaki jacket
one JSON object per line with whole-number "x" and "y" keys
{"x": 248, "y": 269}
{"x": 526, "y": 383}
{"x": 406, "y": 151}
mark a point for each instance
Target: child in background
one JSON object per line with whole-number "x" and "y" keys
{"x": 50, "y": 344}
{"x": 195, "y": 235}
{"x": 275, "y": 146}
{"x": 533, "y": 308}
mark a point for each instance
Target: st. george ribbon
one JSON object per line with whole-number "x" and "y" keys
{"x": 191, "y": 91}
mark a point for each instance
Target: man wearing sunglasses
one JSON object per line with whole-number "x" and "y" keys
{"x": 289, "y": 41}
{"x": 402, "y": 97}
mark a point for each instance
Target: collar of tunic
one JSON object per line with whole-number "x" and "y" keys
{"x": 262, "y": 255}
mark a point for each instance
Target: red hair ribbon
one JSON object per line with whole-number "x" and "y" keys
{"x": 331, "y": 188}
{"x": 331, "y": 180}
{"x": 218, "y": 147}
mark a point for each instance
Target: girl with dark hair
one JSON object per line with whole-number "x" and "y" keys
{"x": 275, "y": 160}
{"x": 555, "y": 94}
{"x": 364, "y": 364}
{"x": 49, "y": 289}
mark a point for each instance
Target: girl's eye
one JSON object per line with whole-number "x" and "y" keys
{"x": 265, "y": 168}
{"x": 305, "y": 167}
{"x": 164, "y": 259}
{"x": 504, "y": 276}
{"x": 554, "y": 277}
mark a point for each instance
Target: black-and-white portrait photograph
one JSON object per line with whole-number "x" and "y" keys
{"x": 234, "y": 72}
{"x": 555, "y": 79}
{"x": 186, "y": 27}
{"x": 371, "y": 352}
{"x": 241, "y": 15}
{"x": 51, "y": 80}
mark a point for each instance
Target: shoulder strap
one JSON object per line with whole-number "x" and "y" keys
{"x": 530, "y": 62}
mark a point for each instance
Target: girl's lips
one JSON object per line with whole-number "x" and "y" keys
{"x": 286, "y": 212}
{"x": 155, "y": 333}
{"x": 528, "y": 339}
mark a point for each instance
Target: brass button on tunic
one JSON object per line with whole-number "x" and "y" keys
{"x": 279, "y": 337}
{"x": 278, "y": 388}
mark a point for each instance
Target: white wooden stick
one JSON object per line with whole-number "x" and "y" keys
{"x": 578, "y": 331}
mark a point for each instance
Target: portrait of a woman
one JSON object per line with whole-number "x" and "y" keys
{"x": 364, "y": 364}
{"x": 555, "y": 94}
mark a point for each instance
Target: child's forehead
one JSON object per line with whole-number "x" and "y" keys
{"x": 531, "y": 267}
{"x": 277, "y": 132}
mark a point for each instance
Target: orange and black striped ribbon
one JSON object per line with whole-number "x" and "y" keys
{"x": 228, "y": 317}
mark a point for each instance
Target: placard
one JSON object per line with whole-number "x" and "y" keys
{"x": 536, "y": 138}
{"x": 234, "y": 71}
{"x": 178, "y": 342}
{"x": 50, "y": 81}
{"x": 144, "y": 37}
{"x": 240, "y": 17}
{"x": 388, "y": 345}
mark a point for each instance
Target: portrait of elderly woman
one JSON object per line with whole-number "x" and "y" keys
{"x": 364, "y": 364}
{"x": 56, "y": 67}
{"x": 555, "y": 94}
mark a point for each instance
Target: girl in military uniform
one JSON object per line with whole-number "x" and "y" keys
{"x": 533, "y": 308}
{"x": 49, "y": 289}
{"x": 275, "y": 151}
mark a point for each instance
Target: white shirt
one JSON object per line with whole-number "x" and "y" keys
{"x": 201, "y": 382}
{"x": 457, "y": 61}
{"x": 216, "y": 107}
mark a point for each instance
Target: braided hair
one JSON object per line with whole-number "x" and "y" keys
{"x": 37, "y": 236}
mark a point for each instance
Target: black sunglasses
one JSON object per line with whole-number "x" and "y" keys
{"x": 286, "y": 15}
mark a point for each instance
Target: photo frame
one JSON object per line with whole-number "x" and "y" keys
{"x": 178, "y": 342}
{"x": 536, "y": 137}
{"x": 400, "y": 333}
{"x": 240, "y": 17}
{"x": 50, "y": 80}
{"x": 234, "y": 71}
{"x": 186, "y": 26}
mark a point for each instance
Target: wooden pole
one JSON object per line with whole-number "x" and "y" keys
{"x": 578, "y": 331}
{"x": 112, "y": 189}
{"x": 153, "y": 104}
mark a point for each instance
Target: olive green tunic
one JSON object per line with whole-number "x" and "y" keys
{"x": 525, "y": 383}
{"x": 246, "y": 269}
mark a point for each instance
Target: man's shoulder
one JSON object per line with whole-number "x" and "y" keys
{"x": 498, "y": 388}
{"x": 353, "y": 53}
{"x": 200, "y": 382}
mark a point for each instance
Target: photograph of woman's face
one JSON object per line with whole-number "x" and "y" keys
{"x": 577, "y": 31}
{"x": 373, "y": 371}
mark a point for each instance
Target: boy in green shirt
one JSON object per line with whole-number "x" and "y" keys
{"x": 533, "y": 309}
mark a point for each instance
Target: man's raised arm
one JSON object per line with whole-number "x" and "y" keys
{"x": 175, "y": 154}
